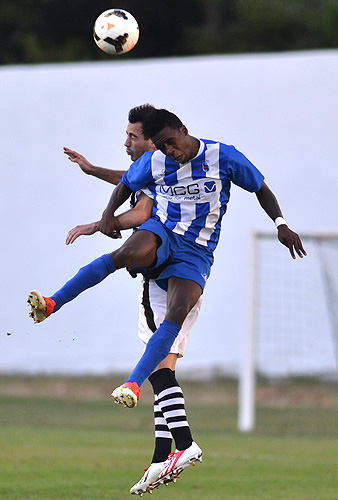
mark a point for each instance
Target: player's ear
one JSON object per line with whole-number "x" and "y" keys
{"x": 151, "y": 145}
{"x": 184, "y": 130}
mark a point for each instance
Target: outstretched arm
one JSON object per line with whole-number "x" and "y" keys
{"x": 128, "y": 220}
{"x": 105, "y": 174}
{"x": 286, "y": 236}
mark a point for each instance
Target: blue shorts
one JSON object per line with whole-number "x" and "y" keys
{"x": 181, "y": 257}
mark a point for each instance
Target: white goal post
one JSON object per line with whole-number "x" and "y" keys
{"x": 292, "y": 314}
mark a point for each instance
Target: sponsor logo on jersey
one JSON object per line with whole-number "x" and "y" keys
{"x": 191, "y": 189}
{"x": 180, "y": 190}
{"x": 210, "y": 186}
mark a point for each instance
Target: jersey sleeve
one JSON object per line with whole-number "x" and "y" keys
{"x": 243, "y": 173}
{"x": 139, "y": 173}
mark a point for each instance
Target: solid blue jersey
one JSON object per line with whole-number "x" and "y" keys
{"x": 190, "y": 199}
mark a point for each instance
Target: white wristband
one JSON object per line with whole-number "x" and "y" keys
{"x": 279, "y": 221}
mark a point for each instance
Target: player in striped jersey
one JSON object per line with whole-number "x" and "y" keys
{"x": 189, "y": 180}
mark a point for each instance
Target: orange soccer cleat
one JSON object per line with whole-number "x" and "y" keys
{"x": 127, "y": 394}
{"x": 42, "y": 307}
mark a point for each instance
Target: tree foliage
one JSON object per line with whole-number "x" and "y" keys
{"x": 38, "y": 31}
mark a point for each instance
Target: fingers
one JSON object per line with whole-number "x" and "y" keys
{"x": 72, "y": 235}
{"x": 116, "y": 234}
{"x": 298, "y": 246}
{"x": 291, "y": 240}
{"x": 295, "y": 246}
{"x": 110, "y": 228}
{"x": 68, "y": 151}
{"x": 72, "y": 155}
{"x": 77, "y": 231}
{"x": 292, "y": 252}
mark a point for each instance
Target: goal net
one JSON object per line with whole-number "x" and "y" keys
{"x": 293, "y": 314}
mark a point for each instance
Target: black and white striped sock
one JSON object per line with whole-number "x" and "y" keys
{"x": 170, "y": 415}
{"x": 163, "y": 436}
{"x": 171, "y": 401}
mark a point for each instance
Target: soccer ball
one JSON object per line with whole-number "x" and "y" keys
{"x": 116, "y": 31}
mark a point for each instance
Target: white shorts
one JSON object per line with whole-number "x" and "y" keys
{"x": 152, "y": 310}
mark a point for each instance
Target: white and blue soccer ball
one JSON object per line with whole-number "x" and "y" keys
{"x": 116, "y": 31}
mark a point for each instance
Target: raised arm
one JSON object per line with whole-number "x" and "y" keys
{"x": 105, "y": 174}
{"x": 127, "y": 220}
{"x": 286, "y": 236}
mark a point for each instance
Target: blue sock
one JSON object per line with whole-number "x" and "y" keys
{"x": 157, "y": 349}
{"x": 88, "y": 276}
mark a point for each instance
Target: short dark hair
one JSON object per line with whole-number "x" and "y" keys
{"x": 140, "y": 113}
{"x": 158, "y": 120}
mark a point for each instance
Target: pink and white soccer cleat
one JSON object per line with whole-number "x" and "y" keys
{"x": 145, "y": 484}
{"x": 177, "y": 462}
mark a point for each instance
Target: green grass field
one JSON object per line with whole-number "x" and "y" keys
{"x": 64, "y": 439}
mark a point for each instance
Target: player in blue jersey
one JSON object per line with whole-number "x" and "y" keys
{"x": 189, "y": 180}
{"x": 153, "y": 305}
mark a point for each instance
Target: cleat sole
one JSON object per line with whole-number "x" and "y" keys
{"x": 38, "y": 306}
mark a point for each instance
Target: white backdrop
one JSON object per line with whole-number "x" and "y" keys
{"x": 279, "y": 110}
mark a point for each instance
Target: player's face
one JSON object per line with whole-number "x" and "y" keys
{"x": 135, "y": 143}
{"x": 177, "y": 144}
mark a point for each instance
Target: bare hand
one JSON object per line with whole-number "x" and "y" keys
{"x": 291, "y": 240}
{"x": 110, "y": 226}
{"x": 85, "y": 229}
{"x": 83, "y": 163}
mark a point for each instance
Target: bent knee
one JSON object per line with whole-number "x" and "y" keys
{"x": 135, "y": 254}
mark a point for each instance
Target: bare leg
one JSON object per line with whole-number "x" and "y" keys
{"x": 168, "y": 362}
{"x": 138, "y": 251}
{"x": 182, "y": 296}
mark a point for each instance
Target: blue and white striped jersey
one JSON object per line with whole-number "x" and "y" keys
{"x": 190, "y": 199}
